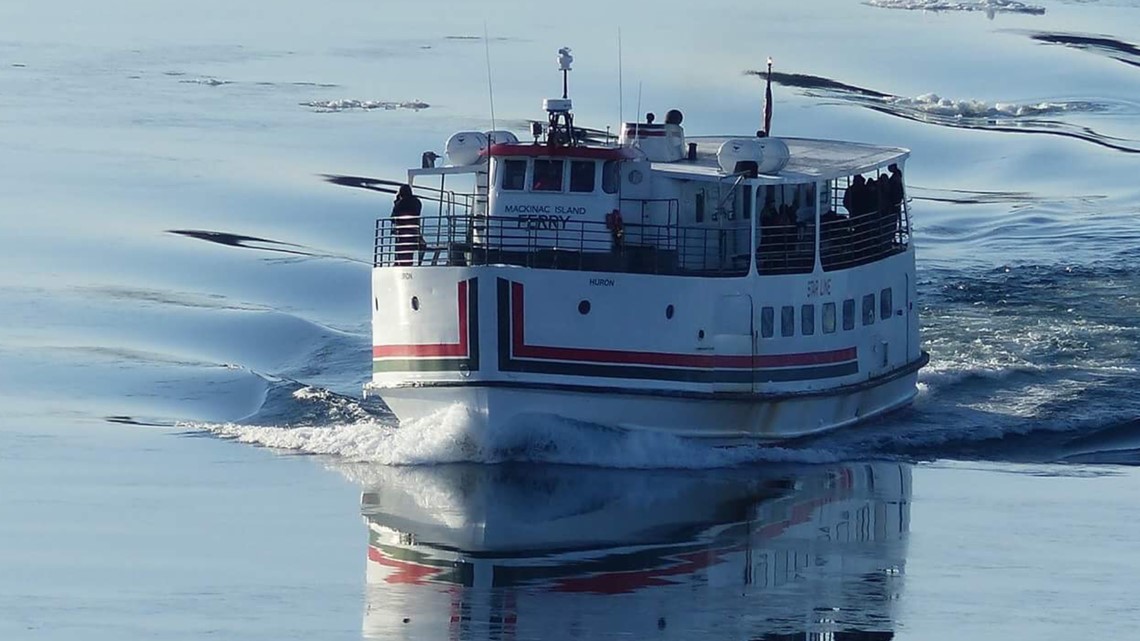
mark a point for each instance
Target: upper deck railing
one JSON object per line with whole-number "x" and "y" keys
{"x": 457, "y": 236}
{"x": 578, "y": 245}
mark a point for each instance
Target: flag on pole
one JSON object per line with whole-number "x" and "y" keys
{"x": 768, "y": 102}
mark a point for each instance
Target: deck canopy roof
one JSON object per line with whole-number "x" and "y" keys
{"x": 810, "y": 160}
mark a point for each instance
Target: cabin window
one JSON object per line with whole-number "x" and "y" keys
{"x": 849, "y": 313}
{"x": 611, "y": 176}
{"x": 885, "y": 306}
{"x": 582, "y": 175}
{"x": 547, "y": 175}
{"x": 787, "y": 320}
{"x": 829, "y": 318}
{"x": 869, "y": 309}
{"x": 514, "y": 175}
{"x": 767, "y": 322}
{"x": 807, "y": 320}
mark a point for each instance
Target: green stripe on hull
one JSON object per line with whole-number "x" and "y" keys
{"x": 421, "y": 365}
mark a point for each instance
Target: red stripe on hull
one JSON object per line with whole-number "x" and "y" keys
{"x": 521, "y": 350}
{"x": 432, "y": 350}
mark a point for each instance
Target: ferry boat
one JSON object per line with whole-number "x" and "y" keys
{"x": 716, "y": 287}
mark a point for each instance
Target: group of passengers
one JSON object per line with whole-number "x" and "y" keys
{"x": 874, "y": 208}
{"x": 780, "y": 247}
{"x": 877, "y": 195}
{"x": 868, "y": 231}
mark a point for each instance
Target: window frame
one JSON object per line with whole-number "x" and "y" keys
{"x": 561, "y": 174}
{"x": 767, "y": 322}
{"x": 868, "y": 309}
{"x": 828, "y": 314}
{"x": 593, "y": 174}
{"x": 504, "y": 170}
{"x": 787, "y": 321}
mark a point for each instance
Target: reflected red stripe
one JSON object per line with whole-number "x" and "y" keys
{"x": 432, "y": 349}
{"x": 405, "y": 573}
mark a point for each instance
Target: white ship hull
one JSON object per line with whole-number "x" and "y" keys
{"x": 512, "y": 346}
{"x": 717, "y": 418}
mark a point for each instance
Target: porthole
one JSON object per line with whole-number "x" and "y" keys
{"x": 415, "y": 303}
{"x": 584, "y": 307}
{"x": 635, "y": 177}
{"x": 701, "y": 335}
{"x": 669, "y": 311}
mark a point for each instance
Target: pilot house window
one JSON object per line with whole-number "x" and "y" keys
{"x": 582, "y": 175}
{"x": 514, "y": 175}
{"x": 547, "y": 175}
{"x": 610, "y": 175}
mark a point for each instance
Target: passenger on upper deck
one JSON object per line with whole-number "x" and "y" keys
{"x": 406, "y": 225}
{"x": 896, "y": 182}
{"x": 854, "y": 198}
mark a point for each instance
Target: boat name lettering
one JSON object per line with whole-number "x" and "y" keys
{"x": 579, "y": 211}
{"x": 819, "y": 287}
{"x": 527, "y": 209}
{"x": 405, "y": 275}
{"x": 543, "y": 222}
{"x": 601, "y": 282}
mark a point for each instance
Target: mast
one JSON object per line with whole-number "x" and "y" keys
{"x": 561, "y": 131}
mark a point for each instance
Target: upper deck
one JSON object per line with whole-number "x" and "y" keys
{"x": 653, "y": 202}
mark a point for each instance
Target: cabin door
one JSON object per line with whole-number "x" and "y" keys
{"x": 734, "y": 344}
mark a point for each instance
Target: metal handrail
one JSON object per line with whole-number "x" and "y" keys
{"x": 576, "y": 245}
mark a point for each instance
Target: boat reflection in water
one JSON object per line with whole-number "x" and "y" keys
{"x": 528, "y": 552}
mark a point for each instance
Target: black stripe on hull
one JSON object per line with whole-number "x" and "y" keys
{"x": 681, "y": 374}
{"x": 468, "y": 364}
{"x": 507, "y": 363}
{"x": 751, "y": 397}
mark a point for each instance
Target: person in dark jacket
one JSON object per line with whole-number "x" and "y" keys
{"x": 896, "y": 182}
{"x": 855, "y": 196}
{"x": 406, "y": 226}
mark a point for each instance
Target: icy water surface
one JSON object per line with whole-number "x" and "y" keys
{"x": 185, "y": 318}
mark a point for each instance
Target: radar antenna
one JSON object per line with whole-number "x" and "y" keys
{"x": 561, "y": 131}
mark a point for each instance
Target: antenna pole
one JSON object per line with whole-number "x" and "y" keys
{"x": 637, "y": 119}
{"x": 621, "y": 93}
{"x": 490, "y": 86}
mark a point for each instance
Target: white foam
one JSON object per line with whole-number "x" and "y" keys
{"x": 989, "y": 7}
{"x": 456, "y": 435}
{"x": 211, "y": 82}
{"x": 933, "y": 104}
{"x": 328, "y": 106}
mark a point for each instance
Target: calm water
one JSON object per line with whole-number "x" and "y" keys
{"x": 185, "y": 314}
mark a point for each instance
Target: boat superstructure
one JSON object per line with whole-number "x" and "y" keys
{"x": 709, "y": 286}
